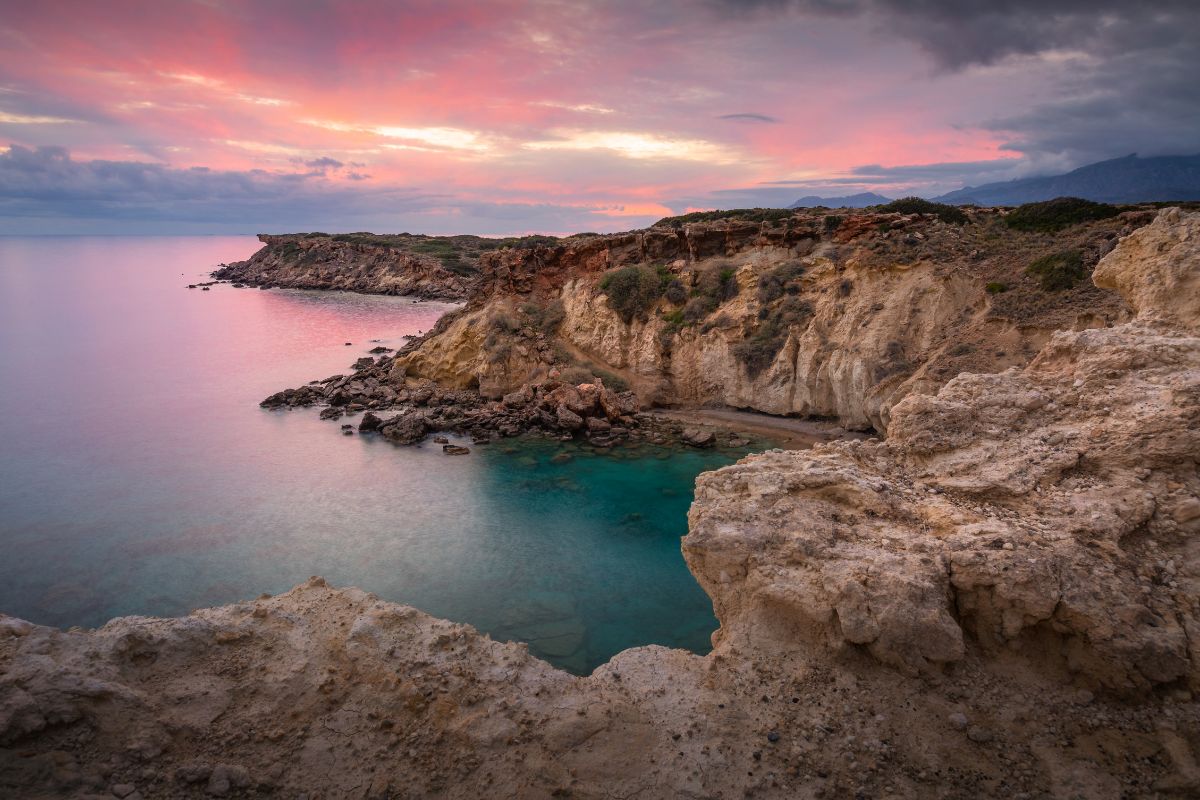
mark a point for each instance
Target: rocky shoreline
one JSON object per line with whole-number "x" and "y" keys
{"x": 999, "y": 599}
{"x": 408, "y": 412}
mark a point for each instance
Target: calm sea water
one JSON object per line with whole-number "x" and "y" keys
{"x": 138, "y": 475}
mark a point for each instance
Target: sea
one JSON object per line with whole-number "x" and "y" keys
{"x": 138, "y": 475}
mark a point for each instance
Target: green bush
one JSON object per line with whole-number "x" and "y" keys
{"x": 698, "y": 308}
{"x": 918, "y": 205}
{"x": 1054, "y": 215}
{"x": 743, "y": 214}
{"x": 1061, "y": 270}
{"x": 773, "y": 284}
{"x": 632, "y": 291}
{"x": 612, "y": 380}
{"x": 758, "y": 351}
{"x": 675, "y": 293}
{"x": 547, "y": 319}
{"x": 518, "y": 242}
{"x": 996, "y": 287}
{"x": 833, "y": 222}
{"x": 577, "y": 375}
{"x": 718, "y": 282}
{"x": 502, "y": 322}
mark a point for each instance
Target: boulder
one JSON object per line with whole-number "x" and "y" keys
{"x": 698, "y": 437}
{"x": 408, "y": 429}
{"x": 568, "y": 419}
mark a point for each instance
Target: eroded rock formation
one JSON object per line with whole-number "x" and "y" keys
{"x": 1052, "y": 511}
{"x": 814, "y": 315}
{"x": 433, "y": 268}
{"x": 1000, "y": 600}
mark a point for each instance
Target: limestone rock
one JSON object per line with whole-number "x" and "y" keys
{"x": 1015, "y": 510}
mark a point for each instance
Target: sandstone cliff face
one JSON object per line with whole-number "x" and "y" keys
{"x": 1051, "y": 512}
{"x": 876, "y": 307}
{"x": 1000, "y": 600}
{"x": 358, "y": 263}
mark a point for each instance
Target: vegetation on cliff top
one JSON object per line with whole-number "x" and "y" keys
{"x": 918, "y": 205}
{"x": 1054, "y": 215}
{"x": 740, "y": 214}
{"x": 1061, "y": 270}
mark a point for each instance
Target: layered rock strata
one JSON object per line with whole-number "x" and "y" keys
{"x": 1052, "y": 511}
{"x": 358, "y": 263}
{"x": 998, "y": 601}
{"x": 803, "y": 316}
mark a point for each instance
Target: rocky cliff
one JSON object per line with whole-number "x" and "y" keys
{"x": 429, "y": 267}
{"x": 1000, "y": 600}
{"x": 806, "y": 314}
{"x": 1052, "y": 511}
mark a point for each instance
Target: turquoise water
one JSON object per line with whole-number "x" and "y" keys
{"x": 138, "y": 475}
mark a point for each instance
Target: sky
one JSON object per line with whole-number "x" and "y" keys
{"x": 502, "y": 118}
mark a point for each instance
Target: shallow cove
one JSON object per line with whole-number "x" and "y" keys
{"x": 138, "y": 475}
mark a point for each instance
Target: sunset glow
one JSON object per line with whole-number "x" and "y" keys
{"x": 514, "y": 117}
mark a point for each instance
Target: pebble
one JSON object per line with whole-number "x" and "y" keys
{"x": 773, "y": 736}
{"x": 958, "y": 721}
{"x": 979, "y": 735}
{"x": 123, "y": 789}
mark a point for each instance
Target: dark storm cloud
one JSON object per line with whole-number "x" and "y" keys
{"x": 748, "y": 118}
{"x": 47, "y": 182}
{"x": 1127, "y": 75}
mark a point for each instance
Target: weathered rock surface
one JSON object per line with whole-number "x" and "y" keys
{"x": 1000, "y": 600}
{"x": 397, "y": 265}
{"x": 1052, "y": 511}
{"x": 838, "y": 321}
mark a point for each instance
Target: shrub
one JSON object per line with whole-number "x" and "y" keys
{"x": 773, "y": 284}
{"x": 1054, "y": 215}
{"x": 719, "y": 321}
{"x": 832, "y": 222}
{"x": 744, "y": 214}
{"x": 697, "y": 309}
{"x": 918, "y": 205}
{"x": 501, "y": 322}
{"x": 1061, "y": 270}
{"x": 718, "y": 282}
{"x": 547, "y": 319}
{"x": 518, "y": 242}
{"x": 589, "y": 374}
{"x": 758, "y": 350}
{"x": 845, "y": 287}
{"x": 612, "y": 380}
{"x": 577, "y": 375}
{"x": 676, "y": 294}
{"x": 632, "y": 291}
{"x": 996, "y": 287}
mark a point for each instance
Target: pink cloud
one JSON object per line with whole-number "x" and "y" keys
{"x": 611, "y": 106}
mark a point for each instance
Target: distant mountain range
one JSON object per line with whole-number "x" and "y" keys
{"x": 861, "y": 200}
{"x": 1119, "y": 180}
